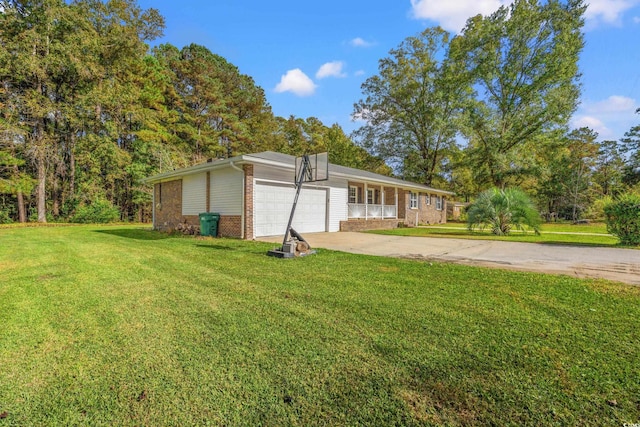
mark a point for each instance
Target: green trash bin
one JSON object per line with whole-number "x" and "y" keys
{"x": 209, "y": 224}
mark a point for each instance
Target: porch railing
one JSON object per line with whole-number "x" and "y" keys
{"x": 361, "y": 210}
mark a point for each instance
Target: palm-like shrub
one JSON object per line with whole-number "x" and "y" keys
{"x": 502, "y": 210}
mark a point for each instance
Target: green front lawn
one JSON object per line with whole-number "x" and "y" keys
{"x": 124, "y": 326}
{"x": 589, "y": 235}
{"x": 549, "y": 227}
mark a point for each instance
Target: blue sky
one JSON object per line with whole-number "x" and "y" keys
{"x": 312, "y": 57}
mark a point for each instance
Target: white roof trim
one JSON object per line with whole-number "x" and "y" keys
{"x": 254, "y": 159}
{"x": 405, "y": 184}
{"x": 202, "y": 167}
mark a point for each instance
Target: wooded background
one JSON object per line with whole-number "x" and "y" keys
{"x": 88, "y": 109}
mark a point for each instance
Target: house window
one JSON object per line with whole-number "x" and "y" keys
{"x": 413, "y": 200}
{"x": 427, "y": 199}
{"x": 353, "y": 194}
{"x": 438, "y": 203}
{"x": 373, "y": 196}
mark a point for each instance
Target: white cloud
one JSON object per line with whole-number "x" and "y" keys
{"x": 359, "y": 73}
{"x": 297, "y": 82}
{"x": 608, "y": 11}
{"x": 452, "y": 15}
{"x": 592, "y": 123}
{"x": 366, "y": 115}
{"x": 360, "y": 42}
{"x": 610, "y": 117}
{"x": 360, "y": 117}
{"x": 636, "y": 19}
{"x": 331, "y": 69}
{"x": 613, "y": 104}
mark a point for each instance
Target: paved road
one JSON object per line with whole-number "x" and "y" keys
{"x": 609, "y": 263}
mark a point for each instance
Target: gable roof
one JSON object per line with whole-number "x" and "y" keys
{"x": 286, "y": 161}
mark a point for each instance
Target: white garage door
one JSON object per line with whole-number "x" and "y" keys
{"x": 272, "y": 207}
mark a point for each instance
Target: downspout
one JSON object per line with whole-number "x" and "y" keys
{"x": 244, "y": 196}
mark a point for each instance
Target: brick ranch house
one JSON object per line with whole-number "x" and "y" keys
{"x": 253, "y": 194}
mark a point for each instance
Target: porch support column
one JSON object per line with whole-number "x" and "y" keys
{"x": 382, "y": 191}
{"x": 366, "y": 202}
{"x": 396, "y": 191}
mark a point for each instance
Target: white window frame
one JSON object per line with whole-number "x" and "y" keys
{"x": 353, "y": 198}
{"x": 373, "y": 196}
{"x": 413, "y": 200}
{"x": 438, "y": 203}
{"x": 427, "y": 199}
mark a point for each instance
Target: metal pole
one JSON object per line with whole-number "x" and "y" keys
{"x": 304, "y": 169}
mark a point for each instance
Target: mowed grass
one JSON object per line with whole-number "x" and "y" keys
{"x": 125, "y": 326}
{"x": 582, "y": 235}
{"x": 548, "y": 227}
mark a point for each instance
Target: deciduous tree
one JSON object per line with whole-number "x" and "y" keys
{"x": 609, "y": 168}
{"x": 410, "y": 107}
{"x": 631, "y": 145}
{"x": 522, "y": 61}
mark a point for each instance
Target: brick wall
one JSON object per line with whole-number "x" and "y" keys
{"x": 389, "y": 196}
{"x": 372, "y": 224}
{"x": 168, "y": 196}
{"x": 248, "y": 201}
{"x": 425, "y": 213}
{"x": 191, "y": 219}
{"x": 168, "y": 209}
{"x": 403, "y": 200}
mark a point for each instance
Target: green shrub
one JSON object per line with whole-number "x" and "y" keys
{"x": 33, "y": 216}
{"x": 623, "y": 219}
{"x": 5, "y": 218}
{"x": 595, "y": 211}
{"x": 98, "y": 212}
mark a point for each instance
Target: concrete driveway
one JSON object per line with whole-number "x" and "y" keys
{"x": 608, "y": 263}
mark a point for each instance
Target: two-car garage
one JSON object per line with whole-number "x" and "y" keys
{"x": 272, "y": 207}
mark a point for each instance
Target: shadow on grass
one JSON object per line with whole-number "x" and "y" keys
{"x": 217, "y": 247}
{"x": 137, "y": 234}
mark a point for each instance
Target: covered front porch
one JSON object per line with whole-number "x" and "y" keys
{"x": 374, "y": 202}
{"x": 366, "y": 211}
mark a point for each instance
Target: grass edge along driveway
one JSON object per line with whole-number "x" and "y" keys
{"x": 121, "y": 325}
{"x": 551, "y": 233}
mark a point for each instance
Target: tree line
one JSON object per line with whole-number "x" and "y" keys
{"x": 88, "y": 109}
{"x": 490, "y": 107}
